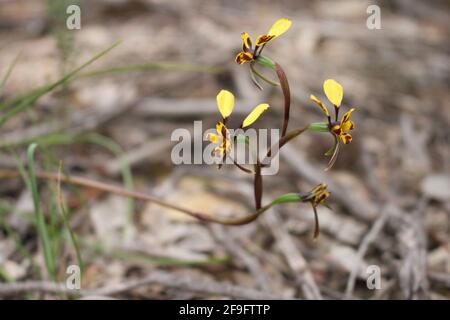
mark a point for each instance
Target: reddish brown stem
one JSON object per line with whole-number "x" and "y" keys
{"x": 85, "y": 182}
{"x": 258, "y": 187}
{"x": 287, "y": 96}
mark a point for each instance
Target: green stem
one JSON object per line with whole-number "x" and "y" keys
{"x": 263, "y": 77}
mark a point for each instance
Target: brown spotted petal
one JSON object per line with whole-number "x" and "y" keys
{"x": 243, "y": 57}
{"x": 261, "y": 40}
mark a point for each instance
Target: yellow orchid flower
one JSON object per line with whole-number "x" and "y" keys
{"x": 316, "y": 197}
{"x": 334, "y": 92}
{"x": 225, "y": 103}
{"x": 250, "y": 53}
{"x": 345, "y": 125}
{"x": 222, "y": 139}
{"x": 318, "y": 194}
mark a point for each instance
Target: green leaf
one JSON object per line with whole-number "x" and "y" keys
{"x": 266, "y": 62}
{"x": 285, "y": 198}
{"x": 319, "y": 127}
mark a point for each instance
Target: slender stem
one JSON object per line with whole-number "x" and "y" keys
{"x": 255, "y": 82}
{"x": 316, "y": 228}
{"x": 283, "y": 140}
{"x": 85, "y": 182}
{"x": 258, "y": 186}
{"x": 287, "y": 96}
{"x": 243, "y": 168}
{"x": 263, "y": 77}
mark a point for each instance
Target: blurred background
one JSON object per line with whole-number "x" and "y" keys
{"x": 112, "y": 121}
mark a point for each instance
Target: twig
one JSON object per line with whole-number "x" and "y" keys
{"x": 370, "y": 237}
{"x": 176, "y": 281}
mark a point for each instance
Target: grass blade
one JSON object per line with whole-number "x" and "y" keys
{"x": 65, "y": 216}
{"x": 39, "y": 216}
{"x": 8, "y": 72}
{"x": 29, "y": 99}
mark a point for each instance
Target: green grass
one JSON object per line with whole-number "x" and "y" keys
{"x": 61, "y": 138}
{"x": 8, "y": 73}
{"x": 18, "y": 105}
{"x": 64, "y": 214}
{"x": 10, "y": 233}
{"x": 30, "y": 180}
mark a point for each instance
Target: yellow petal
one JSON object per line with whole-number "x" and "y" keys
{"x": 333, "y": 91}
{"x": 219, "y": 127}
{"x": 246, "y": 41}
{"x": 263, "y": 39}
{"x": 225, "y": 102}
{"x": 280, "y": 27}
{"x": 346, "y": 116}
{"x": 348, "y": 125}
{"x": 243, "y": 57}
{"x": 214, "y": 138}
{"x": 346, "y": 138}
{"x": 255, "y": 114}
{"x": 320, "y": 104}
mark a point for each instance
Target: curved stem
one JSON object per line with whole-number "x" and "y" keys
{"x": 85, "y": 182}
{"x": 263, "y": 77}
{"x": 283, "y": 140}
{"x": 244, "y": 169}
{"x": 258, "y": 186}
{"x": 287, "y": 96}
{"x": 316, "y": 224}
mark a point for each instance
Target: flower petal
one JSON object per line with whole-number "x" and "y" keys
{"x": 255, "y": 114}
{"x": 246, "y": 42}
{"x": 348, "y": 125}
{"x": 280, "y": 27}
{"x": 263, "y": 39}
{"x": 225, "y": 102}
{"x": 346, "y": 116}
{"x": 214, "y": 138}
{"x": 320, "y": 104}
{"x": 243, "y": 57}
{"x": 219, "y": 127}
{"x": 333, "y": 91}
{"x": 346, "y": 138}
